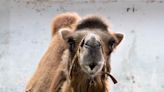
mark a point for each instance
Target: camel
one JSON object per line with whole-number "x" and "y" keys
{"x": 78, "y": 58}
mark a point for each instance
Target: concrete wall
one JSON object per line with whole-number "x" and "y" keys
{"x": 137, "y": 63}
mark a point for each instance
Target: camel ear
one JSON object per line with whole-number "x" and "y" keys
{"x": 65, "y": 33}
{"x": 68, "y": 38}
{"x": 119, "y": 37}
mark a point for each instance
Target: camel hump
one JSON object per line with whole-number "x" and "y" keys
{"x": 65, "y": 20}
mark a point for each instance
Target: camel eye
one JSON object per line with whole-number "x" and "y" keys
{"x": 71, "y": 43}
{"x": 112, "y": 44}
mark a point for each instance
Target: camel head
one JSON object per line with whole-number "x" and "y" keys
{"x": 92, "y": 42}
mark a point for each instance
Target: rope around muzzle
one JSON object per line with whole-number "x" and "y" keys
{"x": 111, "y": 76}
{"x": 76, "y": 57}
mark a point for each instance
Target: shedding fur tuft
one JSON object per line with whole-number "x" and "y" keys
{"x": 65, "y": 20}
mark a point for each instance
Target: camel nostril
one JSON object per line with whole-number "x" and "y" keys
{"x": 92, "y": 66}
{"x": 90, "y": 44}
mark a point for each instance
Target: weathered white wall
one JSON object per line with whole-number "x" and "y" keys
{"x": 137, "y": 64}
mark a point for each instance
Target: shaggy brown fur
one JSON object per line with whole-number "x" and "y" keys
{"x": 65, "y": 20}
{"x": 92, "y": 22}
{"x": 46, "y": 70}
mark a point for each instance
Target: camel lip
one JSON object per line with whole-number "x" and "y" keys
{"x": 88, "y": 71}
{"x": 91, "y": 73}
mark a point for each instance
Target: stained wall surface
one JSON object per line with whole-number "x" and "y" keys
{"x": 137, "y": 63}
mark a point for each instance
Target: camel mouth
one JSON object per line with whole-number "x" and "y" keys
{"x": 92, "y": 70}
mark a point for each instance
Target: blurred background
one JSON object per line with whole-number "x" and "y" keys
{"x": 137, "y": 63}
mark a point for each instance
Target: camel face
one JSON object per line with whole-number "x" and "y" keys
{"x": 91, "y": 57}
